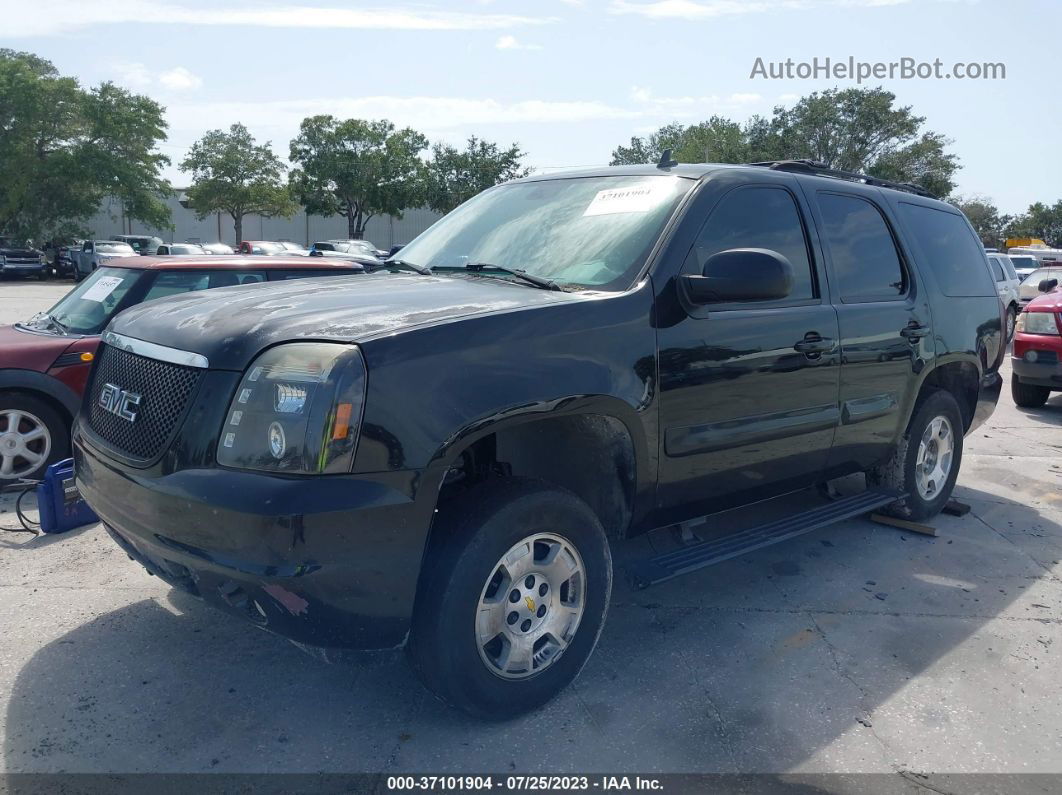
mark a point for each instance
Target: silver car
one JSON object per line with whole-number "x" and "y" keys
{"x": 1007, "y": 283}
{"x": 1030, "y": 288}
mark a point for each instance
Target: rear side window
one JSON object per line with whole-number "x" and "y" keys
{"x": 949, "y": 248}
{"x": 997, "y": 269}
{"x": 865, "y": 261}
{"x": 757, "y": 218}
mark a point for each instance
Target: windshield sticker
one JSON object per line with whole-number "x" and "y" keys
{"x": 633, "y": 199}
{"x": 104, "y": 286}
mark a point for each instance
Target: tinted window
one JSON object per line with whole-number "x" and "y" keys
{"x": 997, "y": 269}
{"x": 175, "y": 282}
{"x": 303, "y": 273}
{"x": 757, "y": 218}
{"x": 865, "y": 262}
{"x": 949, "y": 248}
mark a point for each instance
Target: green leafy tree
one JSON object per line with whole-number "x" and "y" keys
{"x": 357, "y": 168}
{"x": 856, "y": 129}
{"x": 985, "y": 218}
{"x": 1040, "y": 220}
{"x": 64, "y": 149}
{"x": 234, "y": 174}
{"x": 456, "y": 175}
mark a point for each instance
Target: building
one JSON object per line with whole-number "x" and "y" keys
{"x": 384, "y": 231}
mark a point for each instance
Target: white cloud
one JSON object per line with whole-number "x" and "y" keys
{"x": 136, "y": 75}
{"x": 51, "y": 17}
{"x": 180, "y": 79}
{"x": 710, "y": 9}
{"x": 512, "y": 43}
{"x": 689, "y": 106}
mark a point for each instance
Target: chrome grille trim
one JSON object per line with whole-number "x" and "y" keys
{"x": 153, "y": 350}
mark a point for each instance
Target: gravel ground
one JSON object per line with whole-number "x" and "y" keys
{"x": 858, "y": 648}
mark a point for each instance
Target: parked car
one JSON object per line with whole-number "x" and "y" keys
{"x": 1007, "y": 285}
{"x": 1036, "y": 361}
{"x": 94, "y": 253}
{"x": 47, "y": 359}
{"x": 21, "y": 258}
{"x": 1024, "y": 264}
{"x": 435, "y": 455}
{"x": 181, "y": 250}
{"x": 261, "y": 248}
{"x": 1030, "y": 287}
{"x": 349, "y": 247}
{"x": 145, "y": 245}
{"x": 294, "y": 248}
{"x": 65, "y": 256}
{"x": 218, "y": 248}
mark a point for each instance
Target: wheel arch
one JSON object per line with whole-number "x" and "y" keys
{"x": 961, "y": 377}
{"x": 42, "y": 386}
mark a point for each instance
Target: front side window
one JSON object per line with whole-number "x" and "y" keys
{"x": 593, "y": 232}
{"x": 757, "y": 218}
{"x": 950, "y": 249}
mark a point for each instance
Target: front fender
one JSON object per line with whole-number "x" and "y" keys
{"x": 32, "y": 381}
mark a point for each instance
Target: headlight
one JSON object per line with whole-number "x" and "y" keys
{"x": 1037, "y": 323}
{"x": 297, "y": 409}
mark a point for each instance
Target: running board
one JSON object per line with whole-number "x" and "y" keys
{"x": 651, "y": 571}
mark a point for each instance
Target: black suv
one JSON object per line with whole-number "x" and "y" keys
{"x": 437, "y": 454}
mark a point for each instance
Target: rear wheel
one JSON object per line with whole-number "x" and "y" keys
{"x": 32, "y": 436}
{"x": 1028, "y": 396}
{"x": 513, "y": 597}
{"x": 926, "y": 461}
{"x": 1012, "y": 316}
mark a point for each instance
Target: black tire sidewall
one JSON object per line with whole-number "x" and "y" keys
{"x": 938, "y": 403}
{"x": 51, "y": 418}
{"x": 444, "y": 645}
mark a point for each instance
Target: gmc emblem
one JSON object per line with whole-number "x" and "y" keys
{"x": 119, "y": 402}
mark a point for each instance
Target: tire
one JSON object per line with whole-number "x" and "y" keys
{"x": 1028, "y": 396}
{"x": 1012, "y": 316}
{"x": 925, "y": 494}
{"x": 463, "y": 571}
{"x": 28, "y": 414}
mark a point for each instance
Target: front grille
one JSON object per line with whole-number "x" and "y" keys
{"x": 164, "y": 389}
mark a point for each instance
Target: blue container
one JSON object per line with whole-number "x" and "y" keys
{"x": 59, "y": 502}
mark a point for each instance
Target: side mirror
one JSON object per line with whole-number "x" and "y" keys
{"x": 741, "y": 274}
{"x": 1047, "y": 285}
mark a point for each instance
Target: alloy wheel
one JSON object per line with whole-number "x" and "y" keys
{"x": 24, "y": 443}
{"x": 935, "y": 455}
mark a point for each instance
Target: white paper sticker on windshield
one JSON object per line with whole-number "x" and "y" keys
{"x": 103, "y": 287}
{"x": 634, "y": 199}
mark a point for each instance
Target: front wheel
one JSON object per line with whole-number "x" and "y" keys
{"x": 1012, "y": 316}
{"x": 32, "y": 436}
{"x": 1028, "y": 396}
{"x": 925, "y": 463}
{"x": 513, "y": 597}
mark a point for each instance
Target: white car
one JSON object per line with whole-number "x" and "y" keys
{"x": 1007, "y": 285}
{"x": 95, "y": 252}
{"x": 1030, "y": 288}
{"x": 1024, "y": 264}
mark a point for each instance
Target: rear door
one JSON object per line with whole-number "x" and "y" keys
{"x": 748, "y": 402}
{"x": 885, "y": 324}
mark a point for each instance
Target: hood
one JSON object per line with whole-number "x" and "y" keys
{"x": 19, "y": 251}
{"x": 1045, "y": 302}
{"x": 27, "y": 350}
{"x": 231, "y": 325}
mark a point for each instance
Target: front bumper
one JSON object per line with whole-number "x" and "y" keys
{"x": 330, "y": 561}
{"x": 1047, "y": 374}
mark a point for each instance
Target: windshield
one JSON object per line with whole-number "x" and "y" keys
{"x": 114, "y": 248}
{"x": 87, "y": 308}
{"x": 590, "y": 231}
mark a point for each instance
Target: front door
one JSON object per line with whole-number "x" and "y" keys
{"x": 749, "y": 391}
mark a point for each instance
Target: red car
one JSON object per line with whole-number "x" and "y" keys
{"x": 1037, "y": 351}
{"x": 45, "y": 362}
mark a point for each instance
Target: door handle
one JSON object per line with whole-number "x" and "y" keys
{"x": 914, "y": 330}
{"x": 813, "y": 343}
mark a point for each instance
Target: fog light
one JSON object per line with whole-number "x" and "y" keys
{"x": 1030, "y": 356}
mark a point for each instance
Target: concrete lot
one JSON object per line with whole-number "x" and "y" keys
{"x": 858, "y": 648}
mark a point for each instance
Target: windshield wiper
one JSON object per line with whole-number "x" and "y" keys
{"x": 530, "y": 278}
{"x": 48, "y": 321}
{"x": 404, "y": 263}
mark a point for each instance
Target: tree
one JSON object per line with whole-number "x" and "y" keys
{"x": 1040, "y": 220}
{"x": 231, "y": 173}
{"x": 856, "y": 129}
{"x": 64, "y": 149}
{"x": 985, "y": 218}
{"x": 357, "y": 169}
{"x": 454, "y": 176}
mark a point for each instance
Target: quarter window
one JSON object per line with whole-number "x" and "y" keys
{"x": 949, "y": 247}
{"x": 757, "y": 218}
{"x": 866, "y": 264}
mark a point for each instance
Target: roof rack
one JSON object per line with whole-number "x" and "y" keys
{"x": 823, "y": 170}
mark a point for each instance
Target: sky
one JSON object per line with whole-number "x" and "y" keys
{"x": 568, "y": 80}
